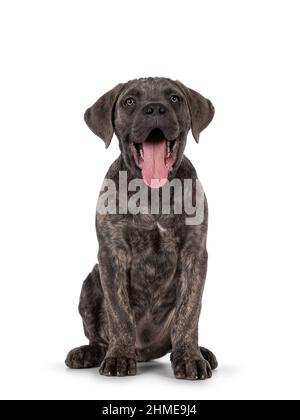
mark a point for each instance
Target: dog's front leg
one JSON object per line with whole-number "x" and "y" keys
{"x": 187, "y": 360}
{"x": 120, "y": 359}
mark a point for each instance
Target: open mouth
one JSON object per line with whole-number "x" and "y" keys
{"x": 155, "y": 157}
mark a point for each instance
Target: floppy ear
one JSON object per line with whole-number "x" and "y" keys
{"x": 99, "y": 117}
{"x": 201, "y": 110}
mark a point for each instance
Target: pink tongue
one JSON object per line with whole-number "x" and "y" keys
{"x": 154, "y": 170}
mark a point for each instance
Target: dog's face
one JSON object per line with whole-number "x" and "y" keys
{"x": 151, "y": 118}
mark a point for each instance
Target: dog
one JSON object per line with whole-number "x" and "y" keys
{"x": 143, "y": 298}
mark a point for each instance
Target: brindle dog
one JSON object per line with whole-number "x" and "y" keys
{"x": 143, "y": 298}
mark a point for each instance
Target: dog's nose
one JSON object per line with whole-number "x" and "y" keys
{"x": 154, "y": 109}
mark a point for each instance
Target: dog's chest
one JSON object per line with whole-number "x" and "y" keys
{"x": 153, "y": 269}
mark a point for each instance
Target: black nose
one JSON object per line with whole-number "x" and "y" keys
{"x": 154, "y": 109}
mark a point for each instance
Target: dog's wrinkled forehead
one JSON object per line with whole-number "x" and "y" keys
{"x": 151, "y": 89}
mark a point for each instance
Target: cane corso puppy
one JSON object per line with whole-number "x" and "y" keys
{"x": 143, "y": 298}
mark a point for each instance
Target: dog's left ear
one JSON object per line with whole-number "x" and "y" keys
{"x": 99, "y": 117}
{"x": 201, "y": 109}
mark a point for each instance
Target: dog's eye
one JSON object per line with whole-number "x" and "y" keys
{"x": 129, "y": 101}
{"x": 174, "y": 98}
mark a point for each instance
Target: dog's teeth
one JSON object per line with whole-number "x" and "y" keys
{"x": 142, "y": 153}
{"x": 168, "y": 149}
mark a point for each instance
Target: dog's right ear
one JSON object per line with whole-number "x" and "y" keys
{"x": 99, "y": 117}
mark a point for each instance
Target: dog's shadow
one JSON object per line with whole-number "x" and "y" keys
{"x": 157, "y": 367}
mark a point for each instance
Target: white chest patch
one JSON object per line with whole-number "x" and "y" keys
{"x": 161, "y": 228}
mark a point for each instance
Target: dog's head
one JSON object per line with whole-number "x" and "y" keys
{"x": 151, "y": 118}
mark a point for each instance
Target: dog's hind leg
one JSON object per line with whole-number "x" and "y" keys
{"x": 94, "y": 325}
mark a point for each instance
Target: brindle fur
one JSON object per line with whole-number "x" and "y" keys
{"x": 143, "y": 298}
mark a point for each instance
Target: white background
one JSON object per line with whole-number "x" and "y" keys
{"x": 57, "y": 58}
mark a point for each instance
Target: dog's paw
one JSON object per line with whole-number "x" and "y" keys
{"x": 118, "y": 366}
{"x": 209, "y": 357}
{"x": 85, "y": 357}
{"x": 191, "y": 368}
